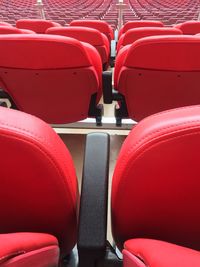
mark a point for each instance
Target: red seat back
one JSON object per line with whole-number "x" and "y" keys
{"x": 38, "y": 181}
{"x": 12, "y": 30}
{"x": 159, "y": 73}
{"x": 85, "y": 34}
{"x": 52, "y": 77}
{"x": 100, "y": 25}
{"x": 156, "y": 185}
{"x": 36, "y": 25}
{"x": 139, "y": 23}
{"x": 133, "y": 35}
{"x": 2, "y": 23}
{"x": 189, "y": 27}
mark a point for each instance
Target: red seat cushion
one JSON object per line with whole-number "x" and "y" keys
{"x": 28, "y": 249}
{"x": 156, "y": 185}
{"x": 38, "y": 180}
{"x": 153, "y": 253}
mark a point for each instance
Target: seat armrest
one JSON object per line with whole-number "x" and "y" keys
{"x": 107, "y": 87}
{"x": 94, "y": 197}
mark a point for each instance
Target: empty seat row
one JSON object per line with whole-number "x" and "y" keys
{"x": 66, "y": 11}
{"x": 152, "y": 74}
{"x": 55, "y": 10}
{"x": 40, "y": 26}
{"x": 170, "y": 12}
{"x": 187, "y": 27}
{"x": 154, "y": 199}
{"x": 62, "y": 11}
{"x": 84, "y": 34}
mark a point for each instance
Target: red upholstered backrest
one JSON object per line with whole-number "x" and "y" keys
{"x": 38, "y": 181}
{"x": 85, "y": 34}
{"x": 2, "y": 23}
{"x": 26, "y": 31}
{"x": 50, "y": 76}
{"x": 36, "y": 25}
{"x": 140, "y": 23}
{"x": 189, "y": 27}
{"x": 159, "y": 73}
{"x": 156, "y": 185}
{"x": 100, "y": 25}
{"x": 12, "y": 30}
{"x": 133, "y": 35}
{"x": 166, "y": 47}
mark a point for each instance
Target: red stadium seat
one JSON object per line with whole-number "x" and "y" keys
{"x": 88, "y": 35}
{"x": 158, "y": 73}
{"x": 139, "y": 23}
{"x": 36, "y": 25}
{"x": 189, "y": 27}
{"x": 38, "y": 182}
{"x": 133, "y": 35}
{"x": 53, "y": 77}
{"x": 13, "y": 30}
{"x": 156, "y": 191}
{"x": 5, "y": 24}
{"x": 28, "y": 249}
{"x": 100, "y": 25}
{"x": 147, "y": 252}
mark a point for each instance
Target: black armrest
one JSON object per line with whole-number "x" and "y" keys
{"x": 5, "y": 95}
{"x": 3, "y": 104}
{"x": 107, "y": 87}
{"x": 109, "y": 94}
{"x": 94, "y": 197}
{"x": 95, "y": 110}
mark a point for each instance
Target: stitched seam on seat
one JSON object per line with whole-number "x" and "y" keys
{"x": 12, "y": 254}
{"x": 146, "y": 139}
{"x": 142, "y": 258}
{"x": 123, "y": 181}
{"x": 149, "y": 148}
